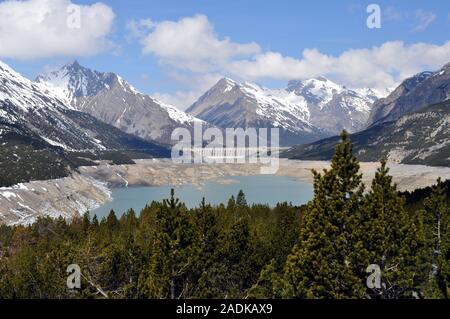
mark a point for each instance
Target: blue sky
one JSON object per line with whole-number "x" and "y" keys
{"x": 272, "y": 36}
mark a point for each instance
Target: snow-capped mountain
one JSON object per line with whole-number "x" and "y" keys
{"x": 305, "y": 110}
{"x": 229, "y": 104}
{"x": 39, "y": 132}
{"x": 29, "y": 106}
{"x": 419, "y": 91}
{"x": 111, "y": 99}
{"x": 421, "y": 137}
{"x": 334, "y": 107}
{"x": 410, "y": 126}
{"x": 73, "y": 81}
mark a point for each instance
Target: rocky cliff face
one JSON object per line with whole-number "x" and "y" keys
{"x": 413, "y": 94}
{"x": 111, "y": 99}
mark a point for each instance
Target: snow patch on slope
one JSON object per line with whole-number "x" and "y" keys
{"x": 278, "y": 105}
{"x": 54, "y": 143}
{"x": 177, "y": 115}
{"x": 23, "y": 93}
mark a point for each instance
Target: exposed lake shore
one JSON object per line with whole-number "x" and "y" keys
{"x": 91, "y": 187}
{"x": 164, "y": 172}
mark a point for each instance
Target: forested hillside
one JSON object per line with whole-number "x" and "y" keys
{"x": 320, "y": 250}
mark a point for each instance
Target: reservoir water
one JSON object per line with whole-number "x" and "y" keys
{"x": 258, "y": 189}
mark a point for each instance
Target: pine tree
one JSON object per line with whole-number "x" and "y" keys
{"x": 170, "y": 261}
{"x": 269, "y": 283}
{"x": 241, "y": 201}
{"x": 232, "y": 273}
{"x": 129, "y": 223}
{"x": 319, "y": 266}
{"x": 206, "y": 232}
{"x": 94, "y": 222}
{"x": 388, "y": 238}
{"x": 86, "y": 221}
{"x": 112, "y": 223}
{"x": 436, "y": 217}
{"x": 285, "y": 233}
{"x": 206, "y": 235}
{"x": 231, "y": 204}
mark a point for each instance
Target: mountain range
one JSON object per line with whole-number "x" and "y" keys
{"x": 74, "y": 115}
{"x": 419, "y": 91}
{"x": 304, "y": 111}
{"x": 410, "y": 126}
{"x": 38, "y": 130}
{"x": 109, "y": 98}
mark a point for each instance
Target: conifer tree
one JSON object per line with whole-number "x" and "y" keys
{"x": 94, "y": 222}
{"x": 270, "y": 284}
{"x": 112, "y": 223}
{"x": 170, "y": 260}
{"x": 206, "y": 235}
{"x": 206, "y": 232}
{"x": 320, "y": 264}
{"x": 129, "y": 223}
{"x": 86, "y": 221}
{"x": 285, "y": 234}
{"x": 231, "y": 204}
{"x": 436, "y": 217}
{"x": 234, "y": 254}
{"x": 388, "y": 238}
{"x": 241, "y": 201}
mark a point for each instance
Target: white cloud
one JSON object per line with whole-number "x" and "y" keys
{"x": 47, "y": 28}
{"x": 424, "y": 18}
{"x": 190, "y": 43}
{"x": 191, "y": 46}
{"x": 139, "y": 28}
{"x": 197, "y": 85}
{"x": 378, "y": 67}
{"x": 180, "y": 99}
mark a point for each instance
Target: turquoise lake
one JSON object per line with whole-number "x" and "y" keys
{"x": 258, "y": 189}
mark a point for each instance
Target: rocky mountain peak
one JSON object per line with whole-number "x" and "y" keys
{"x": 412, "y": 82}
{"x": 316, "y": 90}
{"x": 446, "y": 67}
{"x": 225, "y": 85}
{"x": 73, "y": 81}
{"x": 416, "y": 92}
{"x": 308, "y": 108}
{"x": 111, "y": 99}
